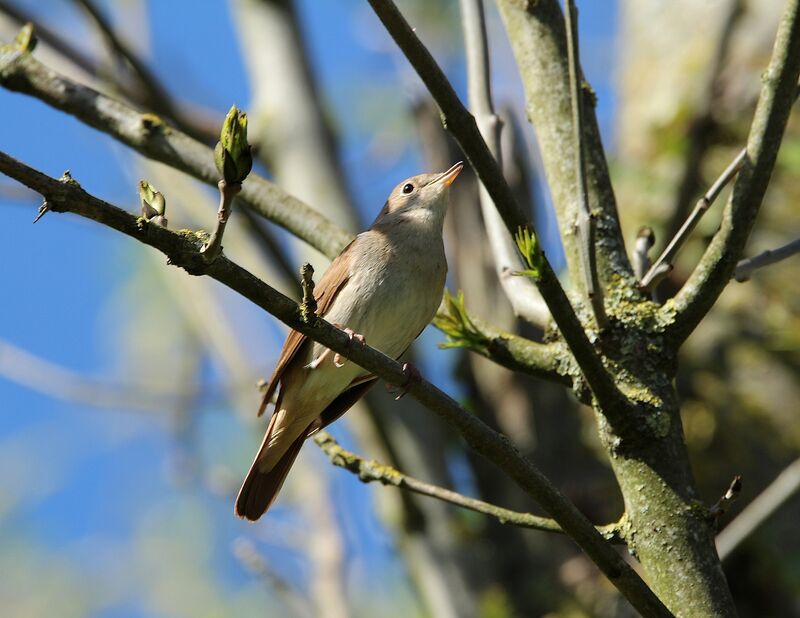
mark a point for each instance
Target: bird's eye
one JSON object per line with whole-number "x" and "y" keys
{"x": 408, "y": 188}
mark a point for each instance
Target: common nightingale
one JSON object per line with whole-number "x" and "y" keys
{"x": 384, "y": 288}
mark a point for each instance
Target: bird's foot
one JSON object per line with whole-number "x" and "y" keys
{"x": 338, "y": 359}
{"x": 412, "y": 375}
{"x": 354, "y": 336}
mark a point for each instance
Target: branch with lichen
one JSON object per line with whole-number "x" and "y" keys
{"x": 719, "y": 261}
{"x": 548, "y": 361}
{"x": 183, "y": 249}
{"x": 369, "y": 471}
{"x": 21, "y": 72}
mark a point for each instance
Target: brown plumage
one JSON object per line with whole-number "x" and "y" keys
{"x": 385, "y": 285}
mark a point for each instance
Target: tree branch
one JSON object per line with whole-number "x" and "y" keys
{"x": 182, "y": 249}
{"x": 765, "y": 505}
{"x": 585, "y": 222}
{"x": 148, "y": 93}
{"x": 148, "y": 135}
{"x": 703, "y": 127}
{"x": 537, "y": 35}
{"x": 549, "y": 361}
{"x": 718, "y": 263}
{"x": 369, "y": 470}
{"x": 521, "y": 293}
{"x": 745, "y": 268}
{"x": 663, "y": 265}
{"x": 462, "y": 126}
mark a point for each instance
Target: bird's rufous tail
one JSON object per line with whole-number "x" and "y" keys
{"x": 261, "y": 486}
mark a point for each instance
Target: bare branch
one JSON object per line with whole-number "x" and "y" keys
{"x": 157, "y": 97}
{"x": 718, "y": 263}
{"x": 147, "y": 93}
{"x": 369, "y": 470}
{"x": 182, "y": 249}
{"x": 745, "y": 268}
{"x": 521, "y": 293}
{"x": 703, "y": 127}
{"x": 148, "y": 135}
{"x": 766, "y": 504}
{"x": 663, "y": 265}
{"x": 585, "y": 222}
{"x": 462, "y": 126}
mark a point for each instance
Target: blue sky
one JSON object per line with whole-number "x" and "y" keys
{"x": 73, "y": 478}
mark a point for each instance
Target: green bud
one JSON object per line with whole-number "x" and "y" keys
{"x": 528, "y": 246}
{"x": 26, "y": 38}
{"x": 153, "y": 203}
{"x": 232, "y": 153}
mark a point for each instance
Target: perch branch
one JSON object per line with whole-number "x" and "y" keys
{"x": 182, "y": 249}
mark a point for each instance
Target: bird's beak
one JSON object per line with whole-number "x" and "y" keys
{"x": 450, "y": 175}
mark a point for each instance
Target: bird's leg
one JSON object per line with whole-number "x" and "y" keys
{"x": 354, "y": 336}
{"x": 412, "y": 375}
{"x": 337, "y": 359}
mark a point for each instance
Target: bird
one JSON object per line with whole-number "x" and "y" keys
{"x": 384, "y": 288}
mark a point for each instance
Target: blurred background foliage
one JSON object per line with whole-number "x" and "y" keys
{"x": 128, "y": 389}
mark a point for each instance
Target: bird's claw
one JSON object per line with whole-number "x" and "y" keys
{"x": 338, "y": 360}
{"x": 354, "y": 336}
{"x": 412, "y": 375}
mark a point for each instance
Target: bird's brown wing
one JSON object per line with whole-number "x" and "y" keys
{"x": 332, "y": 282}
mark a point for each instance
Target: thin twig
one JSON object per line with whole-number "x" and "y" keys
{"x": 462, "y": 126}
{"x": 755, "y": 514}
{"x": 149, "y": 136}
{"x": 521, "y": 293}
{"x": 585, "y": 223}
{"x": 645, "y": 239}
{"x": 663, "y": 265}
{"x": 182, "y": 249}
{"x": 227, "y": 192}
{"x": 245, "y": 552}
{"x": 369, "y": 470}
{"x": 745, "y": 268}
{"x": 716, "y": 267}
{"x": 704, "y": 126}
{"x": 727, "y": 499}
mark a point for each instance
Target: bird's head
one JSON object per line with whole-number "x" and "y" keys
{"x": 420, "y": 198}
